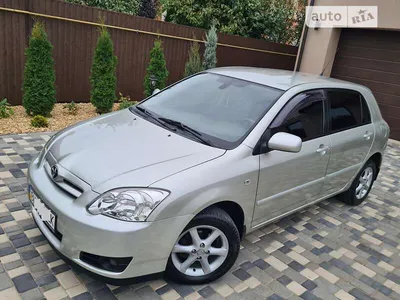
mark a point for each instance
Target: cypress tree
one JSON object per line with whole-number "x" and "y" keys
{"x": 157, "y": 67}
{"x": 193, "y": 65}
{"x": 39, "y": 75}
{"x": 103, "y": 79}
{"x": 210, "y": 53}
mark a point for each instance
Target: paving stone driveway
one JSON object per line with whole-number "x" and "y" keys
{"x": 328, "y": 251}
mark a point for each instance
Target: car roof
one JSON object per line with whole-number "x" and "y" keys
{"x": 280, "y": 79}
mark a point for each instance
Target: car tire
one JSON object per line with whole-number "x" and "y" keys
{"x": 361, "y": 186}
{"x": 209, "y": 224}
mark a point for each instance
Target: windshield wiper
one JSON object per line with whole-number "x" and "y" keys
{"x": 165, "y": 121}
{"x": 139, "y": 108}
{"x": 186, "y": 128}
{"x": 149, "y": 114}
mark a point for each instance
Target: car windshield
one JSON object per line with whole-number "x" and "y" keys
{"x": 221, "y": 109}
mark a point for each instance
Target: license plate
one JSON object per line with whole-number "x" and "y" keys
{"x": 45, "y": 214}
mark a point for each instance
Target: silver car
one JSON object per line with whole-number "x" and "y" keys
{"x": 173, "y": 183}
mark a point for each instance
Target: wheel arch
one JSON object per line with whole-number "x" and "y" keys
{"x": 377, "y": 159}
{"x": 235, "y": 211}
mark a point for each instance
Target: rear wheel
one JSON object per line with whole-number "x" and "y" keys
{"x": 361, "y": 185}
{"x": 206, "y": 249}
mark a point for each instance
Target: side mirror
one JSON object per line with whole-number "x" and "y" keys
{"x": 286, "y": 142}
{"x": 156, "y": 91}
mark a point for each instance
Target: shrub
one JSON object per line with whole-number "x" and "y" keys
{"x": 193, "y": 65}
{"x": 39, "y": 75}
{"x": 72, "y": 108}
{"x": 103, "y": 79}
{"x": 39, "y": 121}
{"x": 123, "y": 98}
{"x": 5, "y": 110}
{"x": 125, "y": 102}
{"x": 125, "y": 6}
{"x": 210, "y": 53}
{"x": 157, "y": 67}
{"x": 148, "y": 8}
{"x": 274, "y": 20}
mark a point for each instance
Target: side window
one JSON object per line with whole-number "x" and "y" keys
{"x": 302, "y": 116}
{"x": 345, "y": 109}
{"x": 366, "y": 118}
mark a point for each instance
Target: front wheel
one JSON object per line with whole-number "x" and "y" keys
{"x": 361, "y": 185}
{"x": 206, "y": 249}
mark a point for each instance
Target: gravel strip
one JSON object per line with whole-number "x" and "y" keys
{"x": 21, "y": 123}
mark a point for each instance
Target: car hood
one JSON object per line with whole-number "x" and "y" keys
{"x": 122, "y": 149}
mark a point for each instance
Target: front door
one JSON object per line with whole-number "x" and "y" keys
{"x": 352, "y": 135}
{"x": 290, "y": 180}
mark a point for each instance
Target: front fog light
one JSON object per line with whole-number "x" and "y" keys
{"x": 128, "y": 204}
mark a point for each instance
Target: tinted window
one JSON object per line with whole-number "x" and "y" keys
{"x": 302, "y": 116}
{"x": 366, "y": 119}
{"x": 345, "y": 109}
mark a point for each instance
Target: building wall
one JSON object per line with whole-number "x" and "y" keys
{"x": 321, "y": 44}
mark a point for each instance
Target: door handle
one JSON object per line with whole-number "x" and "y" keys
{"x": 322, "y": 149}
{"x": 367, "y": 135}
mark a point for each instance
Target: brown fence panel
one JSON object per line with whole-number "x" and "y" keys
{"x": 74, "y": 43}
{"x": 12, "y": 47}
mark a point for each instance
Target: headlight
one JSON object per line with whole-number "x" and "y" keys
{"x": 128, "y": 204}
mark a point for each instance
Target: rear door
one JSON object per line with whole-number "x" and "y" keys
{"x": 352, "y": 134}
{"x": 291, "y": 180}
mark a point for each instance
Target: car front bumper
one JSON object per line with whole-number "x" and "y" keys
{"x": 148, "y": 243}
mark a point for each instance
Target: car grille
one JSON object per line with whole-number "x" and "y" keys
{"x": 65, "y": 180}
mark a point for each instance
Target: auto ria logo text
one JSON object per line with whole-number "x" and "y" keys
{"x": 341, "y": 16}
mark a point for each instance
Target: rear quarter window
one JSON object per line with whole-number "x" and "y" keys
{"x": 365, "y": 111}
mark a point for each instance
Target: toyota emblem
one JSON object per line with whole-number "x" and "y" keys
{"x": 54, "y": 172}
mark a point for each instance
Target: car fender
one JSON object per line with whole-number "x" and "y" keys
{"x": 232, "y": 177}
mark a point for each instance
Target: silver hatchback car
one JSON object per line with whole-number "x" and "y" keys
{"x": 173, "y": 183}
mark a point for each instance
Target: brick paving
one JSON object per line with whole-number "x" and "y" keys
{"x": 327, "y": 251}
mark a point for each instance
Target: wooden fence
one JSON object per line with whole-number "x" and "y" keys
{"x": 73, "y": 31}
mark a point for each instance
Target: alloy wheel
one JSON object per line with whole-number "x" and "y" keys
{"x": 364, "y": 183}
{"x": 200, "y": 250}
